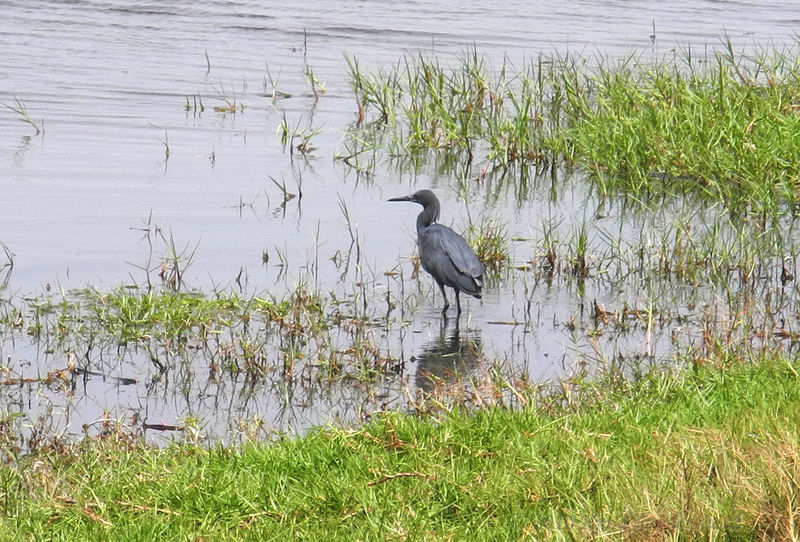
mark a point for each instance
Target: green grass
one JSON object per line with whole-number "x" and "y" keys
{"x": 723, "y": 128}
{"x": 303, "y": 335}
{"x": 727, "y": 132}
{"x": 709, "y": 453}
{"x": 490, "y": 240}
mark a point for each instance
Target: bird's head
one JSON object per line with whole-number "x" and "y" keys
{"x": 430, "y": 206}
{"x": 423, "y": 197}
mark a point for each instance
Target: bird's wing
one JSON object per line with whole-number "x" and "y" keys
{"x": 458, "y": 250}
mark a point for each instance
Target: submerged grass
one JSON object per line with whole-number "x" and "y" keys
{"x": 137, "y": 315}
{"x": 707, "y": 452}
{"x": 297, "y": 336}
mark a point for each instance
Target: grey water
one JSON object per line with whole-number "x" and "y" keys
{"x": 108, "y": 83}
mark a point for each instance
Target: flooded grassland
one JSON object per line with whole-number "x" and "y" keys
{"x": 631, "y": 216}
{"x": 198, "y": 263}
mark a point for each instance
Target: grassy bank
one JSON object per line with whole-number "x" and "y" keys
{"x": 711, "y": 452}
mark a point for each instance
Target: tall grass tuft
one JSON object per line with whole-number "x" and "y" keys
{"x": 489, "y": 239}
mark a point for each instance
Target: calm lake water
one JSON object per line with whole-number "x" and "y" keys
{"x": 108, "y": 82}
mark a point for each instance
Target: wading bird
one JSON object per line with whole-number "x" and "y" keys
{"x": 443, "y": 253}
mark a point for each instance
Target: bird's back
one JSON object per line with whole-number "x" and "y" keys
{"x": 448, "y": 257}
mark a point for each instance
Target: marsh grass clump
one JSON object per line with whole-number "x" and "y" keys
{"x": 715, "y": 250}
{"x": 379, "y": 92}
{"x": 7, "y": 267}
{"x": 722, "y": 129}
{"x": 489, "y": 238}
{"x": 300, "y": 336}
{"x": 444, "y": 106}
{"x": 138, "y": 315}
{"x": 296, "y": 138}
{"x": 578, "y": 252}
{"x": 462, "y": 112}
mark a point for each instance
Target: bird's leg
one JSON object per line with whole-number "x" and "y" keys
{"x": 458, "y": 301}
{"x": 444, "y": 295}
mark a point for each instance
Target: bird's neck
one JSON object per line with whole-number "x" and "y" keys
{"x": 421, "y": 224}
{"x": 426, "y": 218}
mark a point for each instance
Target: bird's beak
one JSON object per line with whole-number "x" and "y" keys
{"x": 402, "y": 198}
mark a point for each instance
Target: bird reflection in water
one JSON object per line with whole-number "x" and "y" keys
{"x": 452, "y": 359}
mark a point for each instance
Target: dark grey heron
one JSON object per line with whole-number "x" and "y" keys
{"x": 444, "y": 253}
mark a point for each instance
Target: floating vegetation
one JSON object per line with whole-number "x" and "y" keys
{"x": 22, "y": 112}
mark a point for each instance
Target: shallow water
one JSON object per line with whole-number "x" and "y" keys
{"x": 109, "y": 82}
